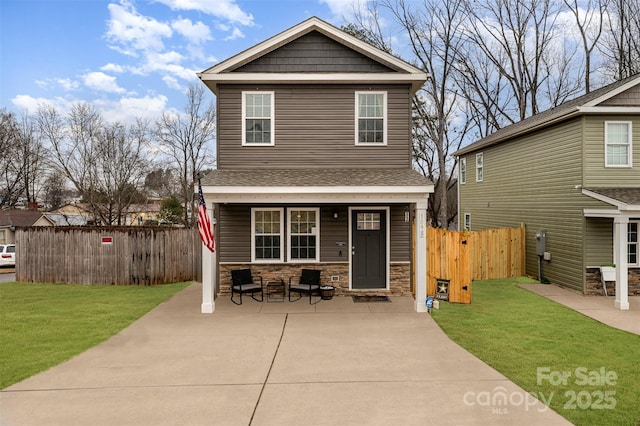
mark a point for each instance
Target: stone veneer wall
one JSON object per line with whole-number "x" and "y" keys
{"x": 400, "y": 276}
{"x": 594, "y": 285}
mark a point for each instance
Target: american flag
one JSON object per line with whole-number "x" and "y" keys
{"x": 204, "y": 225}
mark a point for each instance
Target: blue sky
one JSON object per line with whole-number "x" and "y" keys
{"x": 131, "y": 58}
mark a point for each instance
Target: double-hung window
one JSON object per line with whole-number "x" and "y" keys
{"x": 304, "y": 234}
{"x": 617, "y": 141}
{"x": 633, "y": 254}
{"x": 266, "y": 243}
{"x": 371, "y": 118}
{"x": 463, "y": 170}
{"x": 479, "y": 167}
{"x": 258, "y": 121}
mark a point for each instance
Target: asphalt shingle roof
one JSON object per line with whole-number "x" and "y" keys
{"x": 19, "y": 217}
{"x": 539, "y": 119}
{"x": 315, "y": 177}
{"x": 629, "y": 196}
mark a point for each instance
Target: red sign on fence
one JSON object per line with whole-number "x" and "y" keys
{"x": 107, "y": 241}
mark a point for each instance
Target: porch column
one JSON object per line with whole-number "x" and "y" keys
{"x": 620, "y": 257}
{"x": 208, "y": 272}
{"x": 421, "y": 256}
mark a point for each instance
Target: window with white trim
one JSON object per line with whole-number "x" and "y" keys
{"x": 371, "y": 118}
{"x": 633, "y": 245}
{"x": 463, "y": 170}
{"x": 467, "y": 221}
{"x": 258, "y": 121}
{"x": 617, "y": 144}
{"x": 267, "y": 241}
{"x": 479, "y": 167}
{"x": 304, "y": 241}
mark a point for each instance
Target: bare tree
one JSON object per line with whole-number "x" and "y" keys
{"x": 10, "y": 171}
{"x": 621, "y": 46}
{"x": 435, "y": 36}
{"x": 31, "y": 155}
{"x": 186, "y": 138}
{"x": 590, "y": 25}
{"x": 105, "y": 162}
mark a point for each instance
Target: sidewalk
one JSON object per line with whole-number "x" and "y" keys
{"x": 334, "y": 363}
{"x": 599, "y": 308}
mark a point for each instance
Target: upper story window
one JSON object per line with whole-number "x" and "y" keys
{"x": 267, "y": 241}
{"x": 617, "y": 142}
{"x": 479, "y": 167}
{"x": 258, "y": 121}
{"x": 463, "y": 170}
{"x": 371, "y": 118}
{"x": 304, "y": 243}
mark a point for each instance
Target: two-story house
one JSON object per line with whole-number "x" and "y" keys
{"x": 572, "y": 176}
{"x": 315, "y": 165}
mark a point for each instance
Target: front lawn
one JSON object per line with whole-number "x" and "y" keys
{"x": 42, "y": 325}
{"x": 587, "y": 371}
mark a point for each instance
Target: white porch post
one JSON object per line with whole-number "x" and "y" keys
{"x": 421, "y": 256}
{"x": 208, "y": 272}
{"x": 620, "y": 258}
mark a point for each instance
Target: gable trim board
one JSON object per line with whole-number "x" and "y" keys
{"x": 223, "y": 72}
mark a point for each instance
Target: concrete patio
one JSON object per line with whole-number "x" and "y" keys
{"x": 334, "y": 363}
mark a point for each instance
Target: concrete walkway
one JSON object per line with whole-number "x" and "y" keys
{"x": 600, "y": 308}
{"x": 334, "y": 363}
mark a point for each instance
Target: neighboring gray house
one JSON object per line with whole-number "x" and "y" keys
{"x": 315, "y": 165}
{"x": 573, "y": 171}
{"x": 13, "y": 218}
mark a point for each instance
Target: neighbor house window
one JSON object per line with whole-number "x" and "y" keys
{"x": 267, "y": 226}
{"x": 479, "y": 167}
{"x": 463, "y": 170}
{"x": 371, "y": 118}
{"x": 467, "y": 221}
{"x": 304, "y": 235}
{"x": 258, "y": 118}
{"x": 633, "y": 244}
{"x": 617, "y": 141}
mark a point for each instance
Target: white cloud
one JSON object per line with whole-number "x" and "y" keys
{"x": 345, "y": 8}
{"x": 225, "y": 9}
{"x": 112, "y": 68}
{"x": 195, "y": 33}
{"x": 102, "y": 82}
{"x": 129, "y": 31}
{"x": 236, "y": 33}
{"x": 172, "y": 82}
{"x": 30, "y": 104}
{"x": 125, "y": 109}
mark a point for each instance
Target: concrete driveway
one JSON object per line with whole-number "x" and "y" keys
{"x": 334, "y": 363}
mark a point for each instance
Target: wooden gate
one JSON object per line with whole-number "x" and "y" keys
{"x": 448, "y": 259}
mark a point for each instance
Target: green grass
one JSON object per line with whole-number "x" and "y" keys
{"x": 42, "y": 325}
{"x": 517, "y": 332}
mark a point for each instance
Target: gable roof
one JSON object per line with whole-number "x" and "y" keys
{"x": 590, "y": 103}
{"x": 14, "y": 218}
{"x": 399, "y": 70}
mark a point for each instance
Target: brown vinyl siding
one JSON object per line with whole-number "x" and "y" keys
{"x": 313, "y": 52}
{"x": 234, "y": 233}
{"x": 532, "y": 181}
{"x": 314, "y": 127}
{"x": 596, "y": 174}
{"x": 630, "y": 97}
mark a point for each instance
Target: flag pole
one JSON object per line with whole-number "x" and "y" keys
{"x": 209, "y": 264}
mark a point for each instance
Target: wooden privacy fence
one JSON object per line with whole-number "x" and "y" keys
{"x": 454, "y": 259}
{"x": 120, "y": 256}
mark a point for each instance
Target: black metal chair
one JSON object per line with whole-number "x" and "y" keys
{"x": 242, "y": 282}
{"x": 309, "y": 283}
